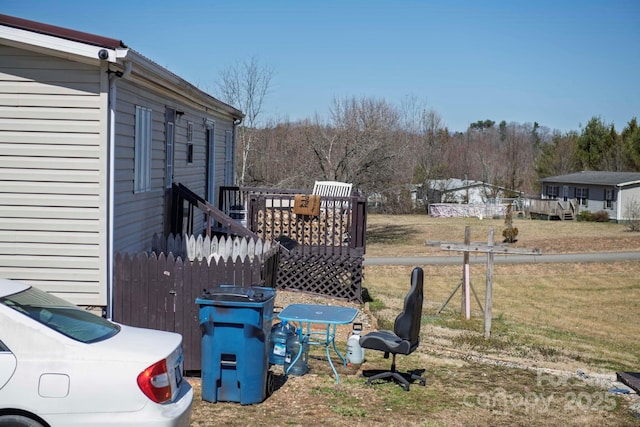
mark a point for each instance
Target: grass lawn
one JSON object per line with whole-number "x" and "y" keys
{"x": 559, "y": 333}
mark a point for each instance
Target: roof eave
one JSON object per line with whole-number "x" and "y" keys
{"x": 27, "y": 38}
{"x": 93, "y": 49}
{"x": 624, "y": 184}
{"x": 66, "y": 33}
{"x": 154, "y": 73}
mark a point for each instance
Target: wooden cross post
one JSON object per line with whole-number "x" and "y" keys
{"x": 465, "y": 282}
{"x": 490, "y": 250}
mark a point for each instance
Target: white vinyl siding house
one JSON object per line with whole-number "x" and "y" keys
{"x": 84, "y": 122}
{"x": 52, "y": 173}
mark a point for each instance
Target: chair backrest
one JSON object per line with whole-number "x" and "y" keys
{"x": 332, "y": 189}
{"x": 407, "y": 324}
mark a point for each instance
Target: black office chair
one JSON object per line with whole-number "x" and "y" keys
{"x": 404, "y": 338}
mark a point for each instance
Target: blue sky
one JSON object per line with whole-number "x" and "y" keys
{"x": 556, "y": 62}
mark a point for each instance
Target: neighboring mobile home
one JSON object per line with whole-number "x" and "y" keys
{"x": 454, "y": 190}
{"x": 595, "y": 191}
{"x": 92, "y": 137}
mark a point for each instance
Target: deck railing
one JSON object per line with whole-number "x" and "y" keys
{"x": 552, "y": 208}
{"x": 321, "y": 253}
{"x": 271, "y": 214}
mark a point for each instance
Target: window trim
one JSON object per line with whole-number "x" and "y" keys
{"x": 142, "y": 149}
{"x": 608, "y": 198}
{"x": 170, "y": 143}
{"x": 582, "y": 196}
{"x": 189, "y": 143}
{"x": 189, "y": 131}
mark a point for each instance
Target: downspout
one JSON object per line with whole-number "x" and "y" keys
{"x": 113, "y": 78}
{"x": 619, "y": 204}
{"x": 236, "y": 123}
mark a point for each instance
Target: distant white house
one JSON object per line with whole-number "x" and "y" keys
{"x": 455, "y": 197}
{"x": 454, "y": 190}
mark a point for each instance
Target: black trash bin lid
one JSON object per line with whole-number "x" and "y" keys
{"x": 238, "y": 294}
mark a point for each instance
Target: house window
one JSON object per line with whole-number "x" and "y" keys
{"x": 189, "y": 131}
{"x": 553, "y": 191}
{"x": 142, "y": 154}
{"x": 608, "y": 198}
{"x": 582, "y": 194}
{"x": 189, "y": 142}
{"x": 189, "y": 153}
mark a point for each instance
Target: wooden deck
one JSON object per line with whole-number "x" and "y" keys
{"x": 552, "y": 209}
{"x": 326, "y": 251}
{"x": 321, "y": 253}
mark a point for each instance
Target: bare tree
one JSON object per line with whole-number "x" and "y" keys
{"x": 632, "y": 214}
{"x": 245, "y": 86}
{"x": 283, "y": 162}
{"x": 517, "y": 153}
{"x": 357, "y": 143}
{"x": 430, "y": 153}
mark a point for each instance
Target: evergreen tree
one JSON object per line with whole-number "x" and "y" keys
{"x": 595, "y": 144}
{"x": 631, "y": 144}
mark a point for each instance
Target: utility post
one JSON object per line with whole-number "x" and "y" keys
{"x": 490, "y": 249}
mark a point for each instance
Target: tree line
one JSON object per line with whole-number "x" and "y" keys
{"x": 381, "y": 147}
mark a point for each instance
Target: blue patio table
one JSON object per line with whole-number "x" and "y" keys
{"x": 329, "y": 315}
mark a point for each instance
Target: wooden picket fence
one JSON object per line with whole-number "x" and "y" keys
{"x": 158, "y": 290}
{"x": 223, "y": 248}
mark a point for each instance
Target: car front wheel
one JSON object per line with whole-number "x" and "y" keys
{"x": 18, "y": 421}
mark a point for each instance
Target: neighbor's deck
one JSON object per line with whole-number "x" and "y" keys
{"x": 552, "y": 209}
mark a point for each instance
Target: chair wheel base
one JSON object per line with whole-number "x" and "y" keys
{"x": 404, "y": 379}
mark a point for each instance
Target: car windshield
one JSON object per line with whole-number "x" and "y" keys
{"x": 61, "y": 316}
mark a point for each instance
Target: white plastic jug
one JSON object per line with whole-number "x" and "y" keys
{"x": 355, "y": 353}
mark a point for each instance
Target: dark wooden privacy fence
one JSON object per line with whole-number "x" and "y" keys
{"x": 159, "y": 291}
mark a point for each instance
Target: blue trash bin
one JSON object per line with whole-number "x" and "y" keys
{"x": 235, "y": 324}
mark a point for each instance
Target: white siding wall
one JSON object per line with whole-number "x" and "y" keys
{"x": 628, "y": 194}
{"x": 138, "y": 216}
{"x": 52, "y": 174}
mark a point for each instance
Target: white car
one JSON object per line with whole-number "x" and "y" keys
{"x": 61, "y": 365}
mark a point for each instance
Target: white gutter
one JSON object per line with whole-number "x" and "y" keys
{"x": 111, "y": 179}
{"x": 234, "y": 134}
{"x": 624, "y": 184}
